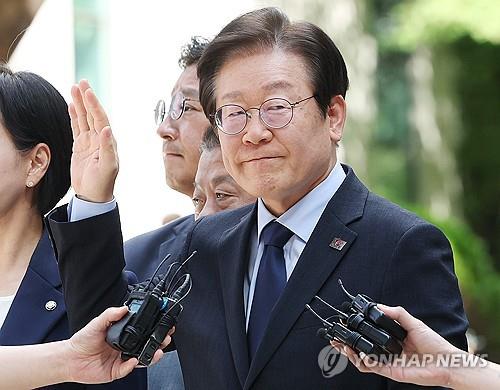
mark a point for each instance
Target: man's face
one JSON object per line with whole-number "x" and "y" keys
{"x": 182, "y": 137}
{"x": 278, "y": 165}
{"x": 214, "y": 189}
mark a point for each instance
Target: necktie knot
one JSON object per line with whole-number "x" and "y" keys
{"x": 275, "y": 234}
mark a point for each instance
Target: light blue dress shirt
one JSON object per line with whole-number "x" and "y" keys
{"x": 301, "y": 219}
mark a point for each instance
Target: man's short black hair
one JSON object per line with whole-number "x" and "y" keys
{"x": 191, "y": 52}
{"x": 33, "y": 112}
{"x": 270, "y": 28}
{"x": 210, "y": 140}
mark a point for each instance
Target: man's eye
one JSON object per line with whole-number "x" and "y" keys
{"x": 221, "y": 196}
{"x": 196, "y": 201}
{"x": 276, "y": 107}
{"x": 187, "y": 107}
{"x": 235, "y": 114}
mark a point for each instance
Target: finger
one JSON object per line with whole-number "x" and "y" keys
{"x": 171, "y": 331}
{"x": 84, "y": 86}
{"x": 399, "y": 314}
{"x": 95, "y": 108}
{"x": 109, "y": 316}
{"x": 126, "y": 367}
{"x": 367, "y": 364}
{"x": 81, "y": 112}
{"x": 166, "y": 341}
{"x": 108, "y": 154}
{"x": 157, "y": 356}
{"x": 73, "y": 120}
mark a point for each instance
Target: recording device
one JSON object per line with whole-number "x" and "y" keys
{"x": 361, "y": 326}
{"x": 364, "y": 305}
{"x": 152, "y": 312}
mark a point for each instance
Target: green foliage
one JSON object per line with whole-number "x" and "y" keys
{"x": 478, "y": 158}
{"x": 478, "y": 279}
{"x": 430, "y": 22}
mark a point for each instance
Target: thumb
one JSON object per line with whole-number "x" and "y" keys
{"x": 125, "y": 368}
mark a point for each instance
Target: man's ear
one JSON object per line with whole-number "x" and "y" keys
{"x": 38, "y": 163}
{"x": 336, "y": 114}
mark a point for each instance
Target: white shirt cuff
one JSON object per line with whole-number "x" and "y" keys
{"x": 79, "y": 209}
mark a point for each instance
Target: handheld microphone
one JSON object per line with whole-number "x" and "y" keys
{"x": 364, "y": 305}
{"x": 151, "y": 315}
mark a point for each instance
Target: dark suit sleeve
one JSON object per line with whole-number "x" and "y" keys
{"x": 421, "y": 278}
{"x": 90, "y": 256}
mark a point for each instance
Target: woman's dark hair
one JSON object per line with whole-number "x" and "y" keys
{"x": 33, "y": 112}
{"x": 269, "y": 28}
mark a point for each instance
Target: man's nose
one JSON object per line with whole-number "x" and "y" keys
{"x": 256, "y": 130}
{"x": 168, "y": 129}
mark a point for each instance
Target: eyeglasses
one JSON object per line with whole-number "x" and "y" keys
{"x": 175, "y": 111}
{"x": 274, "y": 113}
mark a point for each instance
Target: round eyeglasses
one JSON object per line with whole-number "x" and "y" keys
{"x": 175, "y": 111}
{"x": 274, "y": 113}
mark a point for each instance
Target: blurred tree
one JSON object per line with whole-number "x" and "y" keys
{"x": 464, "y": 38}
{"x": 453, "y": 55}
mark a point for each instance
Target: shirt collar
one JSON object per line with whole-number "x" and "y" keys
{"x": 303, "y": 216}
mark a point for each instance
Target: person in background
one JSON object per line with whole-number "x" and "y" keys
{"x": 84, "y": 358}
{"x": 422, "y": 340}
{"x": 181, "y": 125}
{"x": 35, "y": 154}
{"x": 214, "y": 188}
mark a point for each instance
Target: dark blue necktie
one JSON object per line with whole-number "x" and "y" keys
{"x": 270, "y": 283}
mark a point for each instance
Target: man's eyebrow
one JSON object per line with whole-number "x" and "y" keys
{"x": 231, "y": 95}
{"x": 223, "y": 179}
{"x": 280, "y": 84}
{"x": 191, "y": 93}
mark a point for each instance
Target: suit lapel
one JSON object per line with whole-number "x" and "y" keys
{"x": 28, "y": 320}
{"x": 233, "y": 255}
{"x": 179, "y": 233}
{"x": 315, "y": 265}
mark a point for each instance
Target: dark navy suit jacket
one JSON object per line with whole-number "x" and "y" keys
{"x": 142, "y": 255}
{"x": 390, "y": 254}
{"x": 29, "y": 322}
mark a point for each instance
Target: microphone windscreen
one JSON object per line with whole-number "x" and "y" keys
{"x": 345, "y": 307}
{"x": 322, "y": 333}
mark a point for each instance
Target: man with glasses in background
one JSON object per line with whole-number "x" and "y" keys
{"x": 181, "y": 126}
{"x": 275, "y": 90}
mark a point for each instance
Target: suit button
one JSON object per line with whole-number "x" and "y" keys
{"x": 50, "y": 305}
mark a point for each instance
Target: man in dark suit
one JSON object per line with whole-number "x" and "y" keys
{"x": 181, "y": 126}
{"x": 275, "y": 91}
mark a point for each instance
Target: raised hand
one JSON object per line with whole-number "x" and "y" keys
{"x": 94, "y": 163}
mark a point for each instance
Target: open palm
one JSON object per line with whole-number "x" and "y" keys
{"x": 94, "y": 163}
